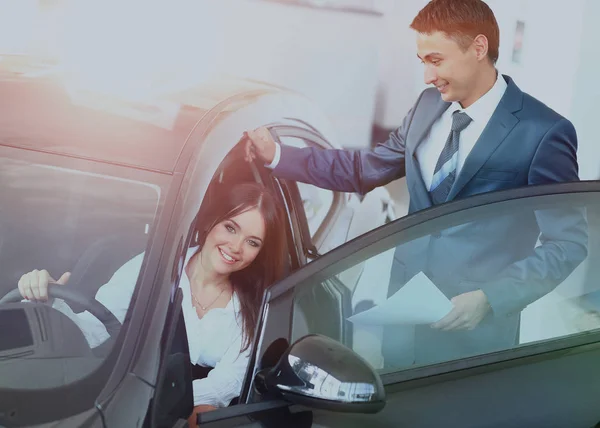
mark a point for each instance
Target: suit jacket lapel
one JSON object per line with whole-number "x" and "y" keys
{"x": 421, "y": 124}
{"x": 501, "y": 123}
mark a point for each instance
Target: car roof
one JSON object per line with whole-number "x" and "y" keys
{"x": 44, "y": 111}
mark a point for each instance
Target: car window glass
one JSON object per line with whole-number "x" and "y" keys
{"x": 535, "y": 260}
{"x": 93, "y": 225}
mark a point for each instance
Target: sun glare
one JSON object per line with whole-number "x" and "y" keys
{"x": 127, "y": 48}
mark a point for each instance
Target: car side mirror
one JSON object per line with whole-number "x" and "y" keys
{"x": 321, "y": 373}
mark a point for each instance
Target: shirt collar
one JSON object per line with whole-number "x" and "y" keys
{"x": 482, "y": 109}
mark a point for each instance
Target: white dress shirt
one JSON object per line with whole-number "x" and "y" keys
{"x": 214, "y": 341}
{"x": 480, "y": 112}
{"x": 276, "y": 157}
{"x": 429, "y": 150}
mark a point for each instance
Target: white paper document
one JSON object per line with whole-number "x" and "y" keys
{"x": 418, "y": 302}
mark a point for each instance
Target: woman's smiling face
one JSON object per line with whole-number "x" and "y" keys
{"x": 234, "y": 243}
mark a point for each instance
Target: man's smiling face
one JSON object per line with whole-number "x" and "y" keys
{"x": 450, "y": 68}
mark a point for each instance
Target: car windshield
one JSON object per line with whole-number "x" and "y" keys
{"x": 59, "y": 215}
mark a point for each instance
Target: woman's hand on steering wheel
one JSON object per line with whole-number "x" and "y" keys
{"x": 34, "y": 285}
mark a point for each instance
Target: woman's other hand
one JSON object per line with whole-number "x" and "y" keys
{"x": 34, "y": 285}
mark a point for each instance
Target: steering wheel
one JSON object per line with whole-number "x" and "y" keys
{"x": 71, "y": 295}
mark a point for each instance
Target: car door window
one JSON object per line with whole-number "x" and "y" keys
{"x": 533, "y": 254}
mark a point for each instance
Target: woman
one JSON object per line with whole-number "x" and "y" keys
{"x": 240, "y": 253}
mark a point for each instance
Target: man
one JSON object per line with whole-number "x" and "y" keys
{"x": 475, "y": 131}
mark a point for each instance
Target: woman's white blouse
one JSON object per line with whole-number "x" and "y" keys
{"x": 214, "y": 341}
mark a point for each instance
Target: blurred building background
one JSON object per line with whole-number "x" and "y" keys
{"x": 354, "y": 58}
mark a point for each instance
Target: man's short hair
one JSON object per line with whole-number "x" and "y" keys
{"x": 462, "y": 21}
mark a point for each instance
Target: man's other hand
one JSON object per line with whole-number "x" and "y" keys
{"x": 469, "y": 309}
{"x": 260, "y": 144}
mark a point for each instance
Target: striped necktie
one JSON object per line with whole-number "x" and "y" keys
{"x": 445, "y": 169}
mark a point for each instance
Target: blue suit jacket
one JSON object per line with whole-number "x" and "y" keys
{"x": 524, "y": 143}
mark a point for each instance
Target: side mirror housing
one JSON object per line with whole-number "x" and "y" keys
{"x": 319, "y": 372}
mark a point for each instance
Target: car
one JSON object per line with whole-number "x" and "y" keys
{"x": 89, "y": 180}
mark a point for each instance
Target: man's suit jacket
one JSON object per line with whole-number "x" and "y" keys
{"x": 524, "y": 143}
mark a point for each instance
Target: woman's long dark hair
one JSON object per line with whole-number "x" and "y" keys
{"x": 250, "y": 283}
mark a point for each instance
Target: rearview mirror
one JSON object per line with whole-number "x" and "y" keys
{"x": 319, "y": 372}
